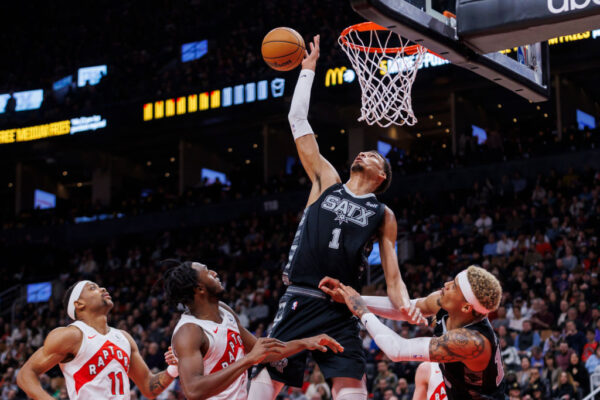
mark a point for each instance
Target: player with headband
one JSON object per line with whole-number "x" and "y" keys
{"x": 464, "y": 345}
{"x": 96, "y": 360}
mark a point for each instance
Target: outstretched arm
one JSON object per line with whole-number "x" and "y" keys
{"x": 319, "y": 170}
{"x": 321, "y": 342}
{"x": 464, "y": 345}
{"x": 151, "y": 385}
{"x": 60, "y": 344}
{"x": 382, "y": 305}
{"x": 396, "y": 289}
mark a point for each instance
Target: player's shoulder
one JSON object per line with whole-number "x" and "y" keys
{"x": 127, "y": 335}
{"x": 229, "y": 310}
{"x": 64, "y": 338}
{"x": 188, "y": 337}
{"x": 226, "y": 307}
{"x": 423, "y": 370}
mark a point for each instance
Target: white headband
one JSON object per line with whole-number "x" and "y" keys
{"x": 465, "y": 287}
{"x": 75, "y": 294}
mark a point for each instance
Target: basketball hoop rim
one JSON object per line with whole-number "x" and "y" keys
{"x": 372, "y": 26}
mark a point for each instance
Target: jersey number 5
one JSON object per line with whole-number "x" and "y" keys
{"x": 114, "y": 376}
{"x": 335, "y": 240}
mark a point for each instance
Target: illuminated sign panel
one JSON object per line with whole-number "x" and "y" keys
{"x": 83, "y": 124}
{"x": 229, "y": 96}
{"x": 338, "y": 76}
{"x": 402, "y": 64}
{"x": 59, "y": 128}
{"x": 3, "y": 100}
{"x": 159, "y": 109}
{"x": 564, "y": 39}
{"x": 29, "y": 100}
{"x": 215, "y": 99}
{"x": 91, "y": 75}
{"x": 170, "y": 107}
{"x": 180, "y": 105}
{"x": 63, "y": 83}
{"x": 192, "y": 103}
{"x": 148, "y": 111}
{"x": 194, "y": 50}
{"x": 204, "y": 102}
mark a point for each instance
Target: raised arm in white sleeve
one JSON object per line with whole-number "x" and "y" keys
{"x": 393, "y": 345}
{"x": 298, "y": 115}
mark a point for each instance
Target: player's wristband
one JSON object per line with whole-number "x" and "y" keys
{"x": 393, "y": 345}
{"x": 173, "y": 371}
{"x": 298, "y": 115}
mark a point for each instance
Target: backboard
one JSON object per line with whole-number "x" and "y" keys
{"x": 425, "y": 23}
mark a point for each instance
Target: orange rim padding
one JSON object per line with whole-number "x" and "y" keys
{"x": 372, "y": 26}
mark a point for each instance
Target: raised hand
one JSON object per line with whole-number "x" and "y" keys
{"x": 310, "y": 60}
{"x": 265, "y": 347}
{"x": 322, "y": 342}
{"x": 170, "y": 358}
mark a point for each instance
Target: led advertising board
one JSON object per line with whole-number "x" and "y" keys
{"x": 227, "y": 97}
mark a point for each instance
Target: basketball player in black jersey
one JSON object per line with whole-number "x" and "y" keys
{"x": 464, "y": 345}
{"x": 339, "y": 223}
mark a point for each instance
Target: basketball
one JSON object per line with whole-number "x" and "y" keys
{"x": 283, "y": 49}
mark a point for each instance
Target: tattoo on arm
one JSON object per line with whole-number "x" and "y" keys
{"x": 457, "y": 345}
{"x": 359, "y": 306}
{"x": 159, "y": 382}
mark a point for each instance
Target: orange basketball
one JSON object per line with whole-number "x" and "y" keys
{"x": 283, "y": 49}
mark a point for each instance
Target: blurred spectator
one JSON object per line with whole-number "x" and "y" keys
{"x": 563, "y": 356}
{"x": 551, "y": 372}
{"x": 593, "y": 361}
{"x": 579, "y": 373}
{"x": 317, "y": 381}
{"x": 404, "y": 391}
{"x": 383, "y": 372}
{"x": 565, "y": 390}
{"x": 527, "y": 339}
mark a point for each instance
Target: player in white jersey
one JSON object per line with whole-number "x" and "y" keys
{"x": 97, "y": 361}
{"x": 429, "y": 382}
{"x": 213, "y": 348}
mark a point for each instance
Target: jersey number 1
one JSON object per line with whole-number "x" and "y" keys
{"x": 335, "y": 240}
{"x": 114, "y": 376}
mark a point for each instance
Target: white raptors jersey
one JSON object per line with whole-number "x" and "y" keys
{"x": 436, "y": 390}
{"x": 225, "y": 347}
{"x": 99, "y": 369}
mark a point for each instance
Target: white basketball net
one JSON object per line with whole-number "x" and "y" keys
{"x": 385, "y": 77}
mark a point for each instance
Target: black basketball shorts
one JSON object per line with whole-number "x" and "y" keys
{"x": 305, "y": 312}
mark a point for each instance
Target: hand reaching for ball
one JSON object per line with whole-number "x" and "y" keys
{"x": 310, "y": 60}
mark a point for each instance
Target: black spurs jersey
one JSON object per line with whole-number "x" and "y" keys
{"x": 464, "y": 384}
{"x": 332, "y": 236}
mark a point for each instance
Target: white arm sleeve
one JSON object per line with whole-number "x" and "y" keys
{"x": 298, "y": 115}
{"x": 393, "y": 345}
{"x": 382, "y": 306}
